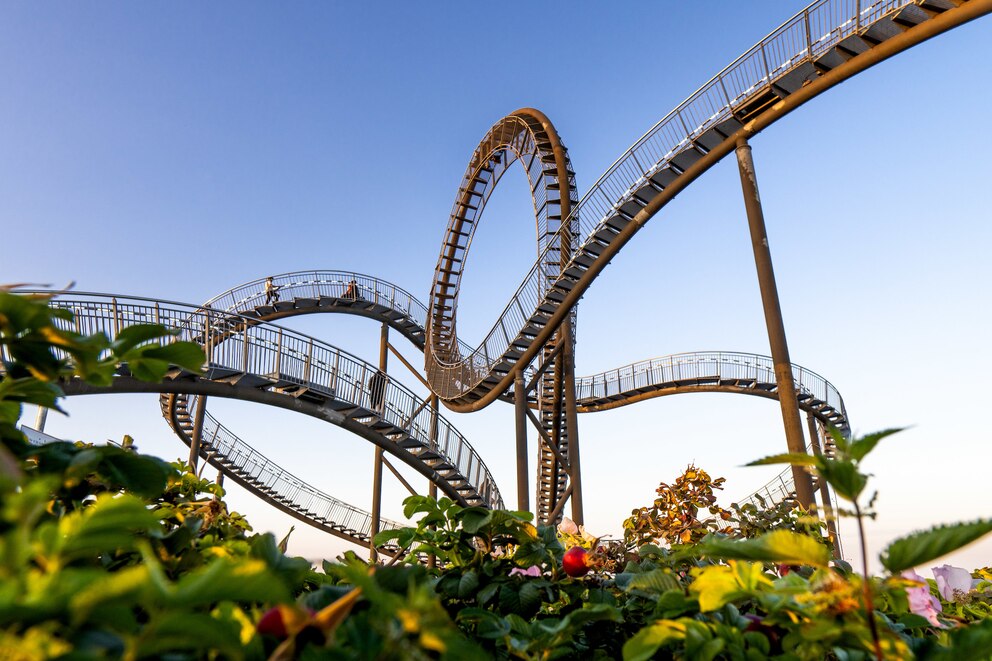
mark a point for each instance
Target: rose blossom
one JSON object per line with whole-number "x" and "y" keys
{"x": 533, "y": 570}
{"x": 921, "y": 601}
{"x": 952, "y": 582}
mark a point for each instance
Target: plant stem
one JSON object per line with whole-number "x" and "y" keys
{"x": 869, "y": 605}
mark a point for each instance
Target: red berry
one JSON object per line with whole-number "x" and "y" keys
{"x": 273, "y": 624}
{"x": 575, "y": 562}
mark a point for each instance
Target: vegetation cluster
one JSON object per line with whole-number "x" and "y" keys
{"x": 109, "y": 554}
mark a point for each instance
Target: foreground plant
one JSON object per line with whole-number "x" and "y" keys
{"x": 831, "y": 612}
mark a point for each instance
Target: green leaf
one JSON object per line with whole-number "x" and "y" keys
{"x": 779, "y": 547}
{"x": 844, "y": 477}
{"x": 122, "y": 469}
{"x": 184, "y": 354}
{"x": 224, "y": 579}
{"x": 468, "y": 584}
{"x": 531, "y": 597}
{"x": 840, "y": 441}
{"x": 862, "y": 446}
{"x": 657, "y": 581}
{"x": 488, "y": 624}
{"x": 794, "y": 458}
{"x": 121, "y": 588}
{"x": 646, "y": 642}
{"x": 971, "y": 643}
{"x": 474, "y": 519}
{"x": 187, "y": 631}
{"x": 292, "y": 570}
{"x": 132, "y": 336}
{"x": 111, "y": 523}
{"x": 919, "y": 547}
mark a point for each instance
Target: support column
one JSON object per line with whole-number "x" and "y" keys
{"x": 773, "y": 321}
{"x": 520, "y": 411}
{"x": 194, "y": 444}
{"x": 377, "y": 466}
{"x": 572, "y": 420}
{"x": 828, "y": 509}
{"x": 41, "y": 419}
{"x": 431, "y": 487}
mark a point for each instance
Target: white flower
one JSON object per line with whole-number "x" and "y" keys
{"x": 568, "y": 527}
{"x": 952, "y": 582}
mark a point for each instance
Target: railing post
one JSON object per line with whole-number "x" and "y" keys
{"x": 207, "y": 344}
{"x": 278, "y": 362}
{"x": 117, "y": 319}
{"x": 773, "y": 321}
{"x": 244, "y": 346}
{"x": 309, "y": 361}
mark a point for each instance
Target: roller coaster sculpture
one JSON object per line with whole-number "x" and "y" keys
{"x": 527, "y": 358}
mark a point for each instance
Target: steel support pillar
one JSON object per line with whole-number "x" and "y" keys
{"x": 773, "y": 321}
{"x": 431, "y": 487}
{"x": 828, "y": 509}
{"x": 520, "y": 413}
{"x": 197, "y": 439}
{"x": 572, "y": 421}
{"x": 377, "y": 466}
{"x": 42, "y": 417}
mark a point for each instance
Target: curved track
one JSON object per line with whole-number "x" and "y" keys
{"x": 825, "y": 44}
{"x": 320, "y": 291}
{"x": 822, "y": 46}
{"x": 260, "y": 362}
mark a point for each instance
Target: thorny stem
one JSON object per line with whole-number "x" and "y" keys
{"x": 869, "y": 605}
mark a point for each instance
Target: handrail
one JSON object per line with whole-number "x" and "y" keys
{"x": 811, "y": 32}
{"x": 297, "y": 494}
{"x": 243, "y": 345}
{"x": 322, "y": 282}
{"x": 704, "y": 364}
{"x": 327, "y": 283}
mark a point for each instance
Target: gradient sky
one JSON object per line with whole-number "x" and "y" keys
{"x": 174, "y": 150}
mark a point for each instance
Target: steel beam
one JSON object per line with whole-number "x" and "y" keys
{"x": 941, "y": 23}
{"x": 520, "y": 414}
{"x": 773, "y": 321}
{"x": 377, "y": 465}
{"x": 828, "y": 509}
{"x": 572, "y": 423}
{"x": 197, "y": 438}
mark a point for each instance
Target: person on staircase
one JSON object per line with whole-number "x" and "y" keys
{"x": 271, "y": 291}
{"x": 377, "y": 390}
{"x": 351, "y": 293}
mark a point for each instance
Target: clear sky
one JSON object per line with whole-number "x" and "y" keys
{"x": 174, "y": 150}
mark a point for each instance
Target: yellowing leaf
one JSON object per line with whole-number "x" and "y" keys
{"x": 329, "y": 617}
{"x": 714, "y": 586}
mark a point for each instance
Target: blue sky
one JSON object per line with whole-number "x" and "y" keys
{"x": 176, "y": 150}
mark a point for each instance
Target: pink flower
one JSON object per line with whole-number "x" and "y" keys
{"x": 952, "y": 582}
{"x": 921, "y": 601}
{"x": 533, "y": 571}
{"x": 568, "y": 527}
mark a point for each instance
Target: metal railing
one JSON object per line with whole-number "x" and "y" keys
{"x": 239, "y": 345}
{"x": 706, "y": 366}
{"x": 317, "y": 284}
{"x": 221, "y": 442}
{"x": 805, "y": 36}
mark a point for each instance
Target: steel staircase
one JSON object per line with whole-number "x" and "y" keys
{"x": 808, "y": 46}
